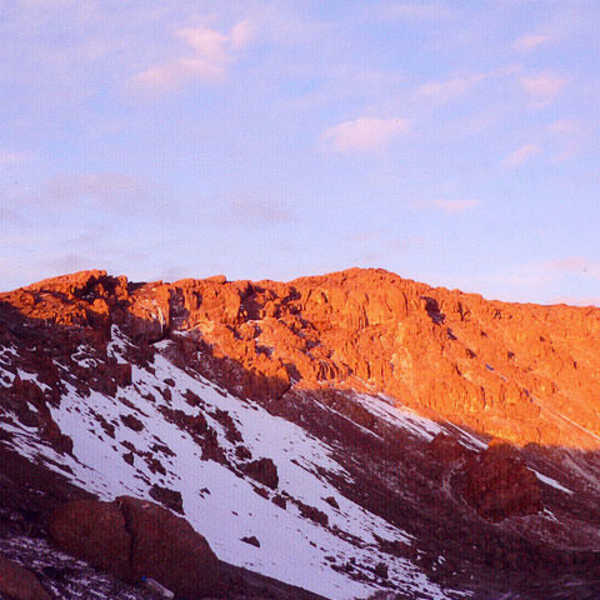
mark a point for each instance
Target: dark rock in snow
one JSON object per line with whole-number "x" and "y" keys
{"x": 132, "y": 422}
{"x": 381, "y": 570}
{"x": 251, "y": 540}
{"x": 170, "y": 498}
{"x": 332, "y": 502}
{"x": 312, "y": 513}
{"x": 280, "y": 501}
{"x": 262, "y": 470}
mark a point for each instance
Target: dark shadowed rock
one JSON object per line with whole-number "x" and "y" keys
{"x": 332, "y": 502}
{"x": 131, "y": 538}
{"x": 17, "y": 583}
{"x": 166, "y": 548}
{"x": 499, "y": 484}
{"x": 264, "y": 471}
{"x": 252, "y": 540}
{"x": 447, "y": 449}
{"x": 170, "y": 498}
{"x": 132, "y": 422}
{"x": 95, "y": 531}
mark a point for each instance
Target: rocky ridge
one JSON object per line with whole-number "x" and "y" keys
{"x": 519, "y": 372}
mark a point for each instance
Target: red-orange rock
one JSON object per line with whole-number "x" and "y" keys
{"x": 503, "y": 369}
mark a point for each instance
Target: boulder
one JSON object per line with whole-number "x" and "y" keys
{"x": 166, "y": 548}
{"x": 262, "y": 470}
{"x": 17, "y": 583}
{"x": 95, "y": 531}
{"x": 133, "y": 538}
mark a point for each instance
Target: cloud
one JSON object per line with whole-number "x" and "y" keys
{"x": 531, "y": 41}
{"x": 443, "y": 91}
{"x": 542, "y": 88}
{"x": 364, "y": 134}
{"x": 521, "y": 155}
{"x": 241, "y": 35}
{"x": 456, "y": 206}
{"x": 212, "y": 53}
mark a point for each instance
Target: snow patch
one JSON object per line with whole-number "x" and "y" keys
{"x": 551, "y": 482}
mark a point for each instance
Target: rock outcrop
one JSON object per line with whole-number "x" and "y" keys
{"x": 131, "y": 538}
{"x": 499, "y": 484}
{"x": 502, "y": 369}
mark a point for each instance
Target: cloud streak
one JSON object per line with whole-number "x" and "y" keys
{"x": 521, "y": 155}
{"x": 448, "y": 89}
{"x": 531, "y": 41}
{"x": 364, "y": 134}
{"x": 542, "y": 88}
{"x": 456, "y": 206}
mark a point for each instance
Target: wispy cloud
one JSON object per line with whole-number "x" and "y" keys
{"x": 531, "y": 41}
{"x": 567, "y": 138}
{"x": 542, "y": 88}
{"x": 364, "y": 134}
{"x": 447, "y": 89}
{"x": 521, "y": 155}
{"x": 456, "y": 206}
{"x": 211, "y": 54}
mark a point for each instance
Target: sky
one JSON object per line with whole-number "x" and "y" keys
{"x": 456, "y": 143}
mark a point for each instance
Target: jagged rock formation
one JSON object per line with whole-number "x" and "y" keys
{"x": 514, "y": 371}
{"x": 346, "y": 434}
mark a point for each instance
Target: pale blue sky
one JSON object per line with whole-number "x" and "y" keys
{"x": 456, "y": 143}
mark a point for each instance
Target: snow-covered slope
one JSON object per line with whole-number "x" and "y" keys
{"x": 142, "y": 420}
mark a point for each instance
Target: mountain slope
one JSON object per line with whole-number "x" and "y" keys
{"x": 332, "y": 432}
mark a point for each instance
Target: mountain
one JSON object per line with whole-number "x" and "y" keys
{"x": 351, "y": 435}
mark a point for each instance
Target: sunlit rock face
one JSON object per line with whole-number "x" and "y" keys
{"x": 515, "y": 371}
{"x": 343, "y": 435}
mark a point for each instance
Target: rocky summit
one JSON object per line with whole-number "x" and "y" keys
{"x": 353, "y": 435}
